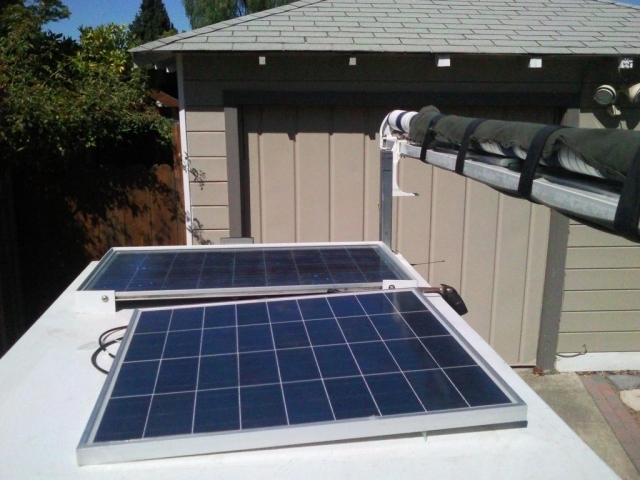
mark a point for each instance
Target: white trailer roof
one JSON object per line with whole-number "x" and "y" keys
{"x": 49, "y": 388}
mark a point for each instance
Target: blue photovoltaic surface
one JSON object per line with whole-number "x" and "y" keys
{"x": 130, "y": 271}
{"x": 288, "y": 362}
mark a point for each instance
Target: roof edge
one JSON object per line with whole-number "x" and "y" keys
{"x": 221, "y": 26}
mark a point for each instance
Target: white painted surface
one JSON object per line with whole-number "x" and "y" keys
{"x": 631, "y": 398}
{"x": 95, "y": 301}
{"x": 185, "y": 153}
{"x": 597, "y": 362}
{"x": 49, "y": 388}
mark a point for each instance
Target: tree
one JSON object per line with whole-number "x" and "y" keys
{"x": 61, "y": 99}
{"x": 29, "y": 66}
{"x": 206, "y": 12}
{"x": 152, "y": 22}
{"x": 78, "y": 135}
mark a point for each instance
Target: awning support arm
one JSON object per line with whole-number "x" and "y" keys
{"x": 389, "y": 161}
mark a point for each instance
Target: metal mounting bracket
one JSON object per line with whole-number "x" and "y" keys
{"x": 389, "y": 160}
{"x": 396, "y": 191}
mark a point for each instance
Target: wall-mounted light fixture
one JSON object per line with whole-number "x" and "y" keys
{"x": 535, "y": 62}
{"x": 633, "y": 92}
{"x": 443, "y": 60}
{"x": 262, "y": 60}
{"x": 353, "y": 61}
{"x": 605, "y": 95}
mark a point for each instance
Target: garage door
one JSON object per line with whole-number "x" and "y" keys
{"x": 314, "y": 175}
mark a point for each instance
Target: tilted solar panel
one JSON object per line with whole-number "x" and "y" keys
{"x": 256, "y": 374}
{"x": 216, "y": 271}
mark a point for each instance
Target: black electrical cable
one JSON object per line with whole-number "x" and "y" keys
{"x": 94, "y": 357}
{"x": 105, "y": 335}
{"x": 104, "y": 345}
{"x": 573, "y": 355}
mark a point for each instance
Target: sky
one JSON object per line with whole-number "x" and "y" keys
{"x": 91, "y": 13}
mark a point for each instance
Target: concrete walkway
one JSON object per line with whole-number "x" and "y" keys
{"x": 591, "y": 406}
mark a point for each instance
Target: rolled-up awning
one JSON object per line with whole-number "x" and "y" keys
{"x": 592, "y": 175}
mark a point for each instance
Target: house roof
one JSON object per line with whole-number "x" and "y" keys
{"x": 587, "y": 27}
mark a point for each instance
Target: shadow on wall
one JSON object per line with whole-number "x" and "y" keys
{"x": 69, "y": 215}
{"x": 195, "y": 228}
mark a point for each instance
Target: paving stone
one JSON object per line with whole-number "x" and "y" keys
{"x": 566, "y": 394}
{"x": 631, "y": 398}
{"x": 624, "y": 382}
{"x": 622, "y": 423}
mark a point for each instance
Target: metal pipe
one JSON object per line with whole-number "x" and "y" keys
{"x": 386, "y": 196}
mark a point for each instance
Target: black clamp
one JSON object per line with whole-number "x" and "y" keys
{"x": 628, "y": 211}
{"x": 464, "y": 145}
{"x": 450, "y": 295}
{"x": 429, "y": 136}
{"x": 534, "y": 155}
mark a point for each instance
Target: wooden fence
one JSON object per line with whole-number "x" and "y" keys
{"x": 67, "y": 216}
{"x": 146, "y": 208}
{"x": 11, "y": 311}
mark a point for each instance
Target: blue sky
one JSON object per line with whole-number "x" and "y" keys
{"x": 91, "y": 13}
{"x": 96, "y": 12}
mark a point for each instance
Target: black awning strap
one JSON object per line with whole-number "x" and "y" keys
{"x": 528, "y": 173}
{"x": 429, "y": 136}
{"x": 628, "y": 211}
{"x": 464, "y": 145}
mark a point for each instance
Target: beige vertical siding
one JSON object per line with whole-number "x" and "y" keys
{"x": 346, "y": 177}
{"x": 277, "y": 185}
{"x": 312, "y": 167}
{"x": 314, "y": 176}
{"x": 601, "y": 307}
{"x": 206, "y": 155}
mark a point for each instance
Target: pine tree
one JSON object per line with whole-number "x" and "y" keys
{"x": 206, "y": 12}
{"x": 151, "y": 22}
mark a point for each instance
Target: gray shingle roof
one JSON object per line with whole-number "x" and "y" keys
{"x": 591, "y": 27}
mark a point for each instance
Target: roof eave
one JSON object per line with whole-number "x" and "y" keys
{"x": 143, "y": 57}
{"x": 146, "y": 58}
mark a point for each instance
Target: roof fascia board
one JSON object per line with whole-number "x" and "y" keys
{"x": 333, "y": 98}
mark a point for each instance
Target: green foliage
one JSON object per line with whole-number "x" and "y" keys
{"x": 152, "y": 22}
{"x": 201, "y": 12}
{"x": 253, "y": 6}
{"x": 111, "y": 100}
{"x": 62, "y": 100}
{"x": 206, "y": 12}
{"x": 43, "y": 10}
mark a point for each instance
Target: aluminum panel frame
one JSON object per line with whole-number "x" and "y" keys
{"x": 88, "y": 302}
{"x": 90, "y": 453}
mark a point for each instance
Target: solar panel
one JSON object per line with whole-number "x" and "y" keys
{"x": 254, "y": 374}
{"x": 139, "y": 273}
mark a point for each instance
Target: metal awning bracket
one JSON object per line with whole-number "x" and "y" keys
{"x": 396, "y": 190}
{"x": 393, "y": 284}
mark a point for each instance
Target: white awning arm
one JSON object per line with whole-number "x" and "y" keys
{"x": 396, "y": 190}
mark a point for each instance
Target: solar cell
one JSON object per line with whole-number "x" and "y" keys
{"x": 135, "y": 271}
{"x": 255, "y": 369}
